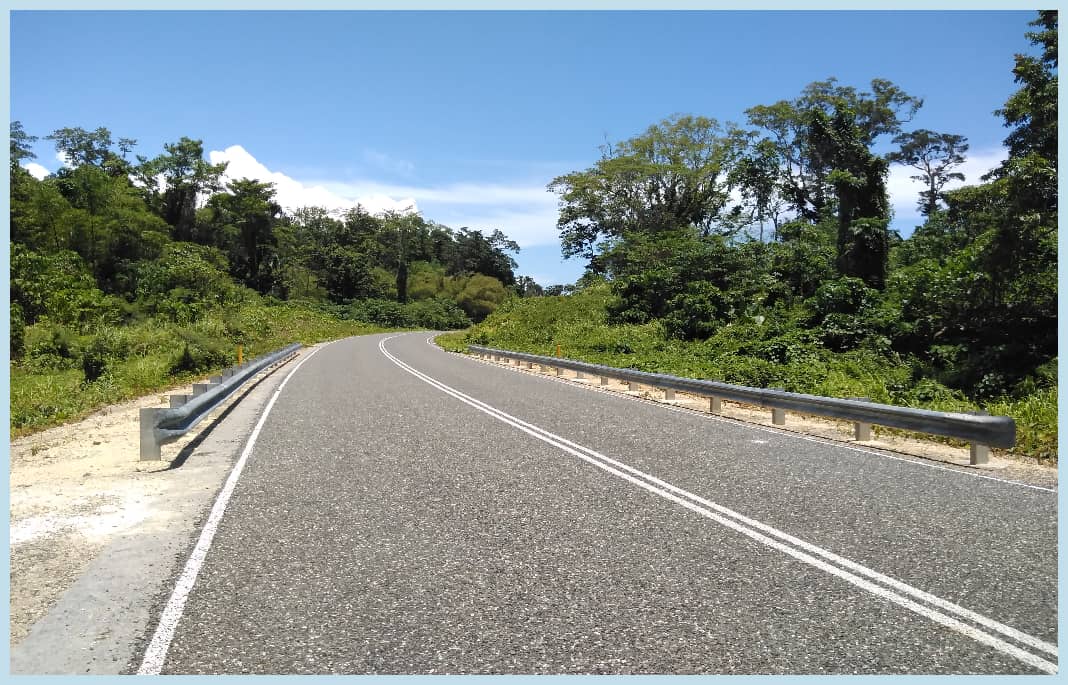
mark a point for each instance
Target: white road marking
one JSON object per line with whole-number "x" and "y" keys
{"x": 750, "y": 528}
{"x": 766, "y": 429}
{"x": 156, "y": 654}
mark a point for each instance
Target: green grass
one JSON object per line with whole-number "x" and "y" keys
{"x": 770, "y": 354}
{"x": 48, "y": 386}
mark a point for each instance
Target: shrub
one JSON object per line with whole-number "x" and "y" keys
{"x": 18, "y": 332}
{"x": 199, "y": 353}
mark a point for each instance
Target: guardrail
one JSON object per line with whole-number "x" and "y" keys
{"x": 981, "y": 430}
{"x": 160, "y": 426}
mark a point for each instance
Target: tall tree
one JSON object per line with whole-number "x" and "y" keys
{"x": 934, "y": 155}
{"x": 186, "y": 176}
{"x": 673, "y": 175}
{"x": 399, "y": 239}
{"x": 249, "y": 212}
{"x": 858, "y": 178}
{"x": 79, "y": 146}
{"x": 20, "y": 143}
{"x": 804, "y": 182}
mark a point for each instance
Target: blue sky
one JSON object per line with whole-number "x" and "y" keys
{"x": 468, "y": 115}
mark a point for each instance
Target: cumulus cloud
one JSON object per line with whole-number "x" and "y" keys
{"x": 36, "y": 170}
{"x": 293, "y": 194}
{"x": 905, "y": 192}
{"x": 526, "y": 213}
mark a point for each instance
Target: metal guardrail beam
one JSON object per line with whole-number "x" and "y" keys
{"x": 980, "y": 430}
{"x": 160, "y": 426}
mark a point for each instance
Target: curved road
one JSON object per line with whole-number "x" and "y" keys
{"x": 407, "y": 510}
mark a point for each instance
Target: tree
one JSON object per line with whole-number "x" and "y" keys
{"x": 398, "y": 240}
{"x": 1032, "y": 110}
{"x": 525, "y": 286}
{"x": 473, "y": 253}
{"x": 673, "y": 175}
{"x": 934, "y": 155}
{"x": 186, "y": 176}
{"x": 248, "y": 211}
{"x": 80, "y": 147}
{"x": 804, "y": 181}
{"x": 20, "y": 145}
{"x": 858, "y": 178}
{"x": 756, "y": 176}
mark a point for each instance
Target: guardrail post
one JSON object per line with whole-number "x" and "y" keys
{"x": 669, "y": 395}
{"x": 778, "y": 416}
{"x": 530, "y": 365}
{"x": 604, "y": 380}
{"x": 979, "y": 454}
{"x": 215, "y": 380}
{"x": 579, "y": 375}
{"x": 178, "y": 400}
{"x": 150, "y": 449}
{"x": 559, "y": 370}
{"x": 201, "y": 388}
{"x": 633, "y": 387}
{"x": 715, "y": 405}
{"x": 861, "y": 429}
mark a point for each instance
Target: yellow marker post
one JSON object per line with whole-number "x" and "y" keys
{"x": 240, "y": 354}
{"x": 557, "y": 350}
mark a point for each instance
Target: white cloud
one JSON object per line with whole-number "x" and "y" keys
{"x": 64, "y": 160}
{"x": 905, "y": 192}
{"x": 36, "y": 170}
{"x": 525, "y": 213}
{"x": 293, "y": 194}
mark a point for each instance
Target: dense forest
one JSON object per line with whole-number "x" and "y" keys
{"x": 129, "y": 275}
{"x": 762, "y": 254}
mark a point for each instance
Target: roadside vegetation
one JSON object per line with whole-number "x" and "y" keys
{"x": 129, "y": 277}
{"x": 762, "y": 256}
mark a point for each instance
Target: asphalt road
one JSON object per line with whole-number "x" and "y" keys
{"x": 407, "y": 510}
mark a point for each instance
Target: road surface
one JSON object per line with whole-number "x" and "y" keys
{"x": 401, "y": 509}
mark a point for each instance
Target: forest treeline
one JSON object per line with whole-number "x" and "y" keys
{"x": 763, "y": 255}
{"x": 129, "y": 273}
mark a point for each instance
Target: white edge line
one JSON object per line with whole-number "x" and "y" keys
{"x": 809, "y": 547}
{"x": 156, "y": 653}
{"x": 969, "y": 631}
{"x": 757, "y": 426}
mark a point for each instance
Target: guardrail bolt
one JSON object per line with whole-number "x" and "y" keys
{"x": 150, "y": 449}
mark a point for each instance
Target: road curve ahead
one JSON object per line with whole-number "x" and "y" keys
{"x": 407, "y": 510}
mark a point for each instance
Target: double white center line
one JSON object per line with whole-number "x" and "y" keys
{"x": 964, "y": 621}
